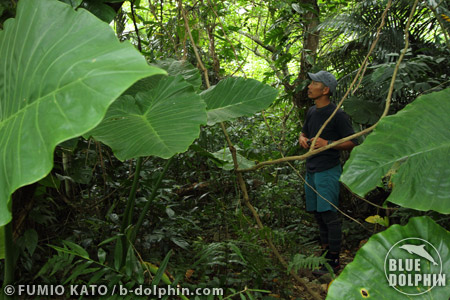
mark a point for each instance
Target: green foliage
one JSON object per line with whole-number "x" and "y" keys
{"x": 363, "y": 111}
{"x": 236, "y": 97}
{"x": 73, "y": 265}
{"x": 224, "y": 160}
{"x": 378, "y": 220}
{"x": 197, "y": 218}
{"x": 55, "y": 85}
{"x": 100, "y": 9}
{"x": 417, "y": 75}
{"x": 161, "y": 121}
{"x": 399, "y": 154}
{"x": 365, "y": 276}
{"x": 220, "y": 254}
{"x": 300, "y": 261}
{"x": 183, "y": 68}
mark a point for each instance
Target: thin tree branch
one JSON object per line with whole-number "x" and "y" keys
{"x": 188, "y": 29}
{"x": 269, "y": 48}
{"x": 135, "y": 26}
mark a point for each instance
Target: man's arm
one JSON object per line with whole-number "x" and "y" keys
{"x": 348, "y": 145}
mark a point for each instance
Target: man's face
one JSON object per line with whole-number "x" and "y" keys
{"x": 316, "y": 90}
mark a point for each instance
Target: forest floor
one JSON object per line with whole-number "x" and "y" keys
{"x": 320, "y": 284}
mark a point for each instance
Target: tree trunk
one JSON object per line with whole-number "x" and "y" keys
{"x": 310, "y": 45}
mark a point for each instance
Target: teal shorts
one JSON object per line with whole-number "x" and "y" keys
{"x": 326, "y": 183}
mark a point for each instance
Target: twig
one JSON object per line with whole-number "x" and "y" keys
{"x": 135, "y": 26}
{"x": 199, "y": 60}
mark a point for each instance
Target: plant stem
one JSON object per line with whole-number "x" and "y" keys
{"x": 9, "y": 258}
{"x": 150, "y": 200}
{"x": 135, "y": 26}
{"x": 127, "y": 215}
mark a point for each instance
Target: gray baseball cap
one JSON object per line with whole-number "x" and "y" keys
{"x": 326, "y": 78}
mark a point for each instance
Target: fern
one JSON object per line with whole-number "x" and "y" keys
{"x": 311, "y": 262}
{"x": 220, "y": 253}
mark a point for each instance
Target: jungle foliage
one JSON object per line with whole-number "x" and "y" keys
{"x": 115, "y": 165}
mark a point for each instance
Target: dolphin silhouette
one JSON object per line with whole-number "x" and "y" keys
{"x": 419, "y": 250}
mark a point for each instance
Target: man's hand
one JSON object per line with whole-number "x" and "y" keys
{"x": 303, "y": 140}
{"x": 320, "y": 143}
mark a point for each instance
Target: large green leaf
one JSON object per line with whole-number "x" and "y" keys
{"x": 236, "y": 97}
{"x": 59, "y": 71}
{"x": 173, "y": 68}
{"x": 224, "y": 160}
{"x": 103, "y": 11}
{"x": 412, "y": 148}
{"x": 161, "y": 122}
{"x": 183, "y": 68}
{"x": 366, "y": 278}
{"x": 363, "y": 112}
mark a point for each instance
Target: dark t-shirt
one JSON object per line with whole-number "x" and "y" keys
{"x": 338, "y": 128}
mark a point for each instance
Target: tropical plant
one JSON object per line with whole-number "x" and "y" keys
{"x": 150, "y": 109}
{"x": 153, "y": 177}
{"x": 399, "y": 151}
{"x": 359, "y": 281}
{"x": 400, "y": 158}
{"x": 425, "y": 66}
{"x": 53, "y": 90}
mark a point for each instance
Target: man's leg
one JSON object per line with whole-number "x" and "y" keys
{"x": 323, "y": 230}
{"x": 311, "y": 206}
{"x": 334, "y": 230}
{"x": 332, "y": 226}
{"x": 327, "y": 185}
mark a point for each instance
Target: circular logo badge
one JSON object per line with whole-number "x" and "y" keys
{"x": 413, "y": 266}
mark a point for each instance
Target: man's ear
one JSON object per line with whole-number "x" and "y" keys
{"x": 326, "y": 90}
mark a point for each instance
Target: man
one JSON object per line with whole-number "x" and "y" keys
{"x": 324, "y": 169}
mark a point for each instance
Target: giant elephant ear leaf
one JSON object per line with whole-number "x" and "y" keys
{"x": 183, "y": 68}
{"x": 410, "y": 151}
{"x": 173, "y": 68}
{"x": 236, "y": 97}
{"x": 372, "y": 275}
{"x": 162, "y": 121}
{"x": 59, "y": 71}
